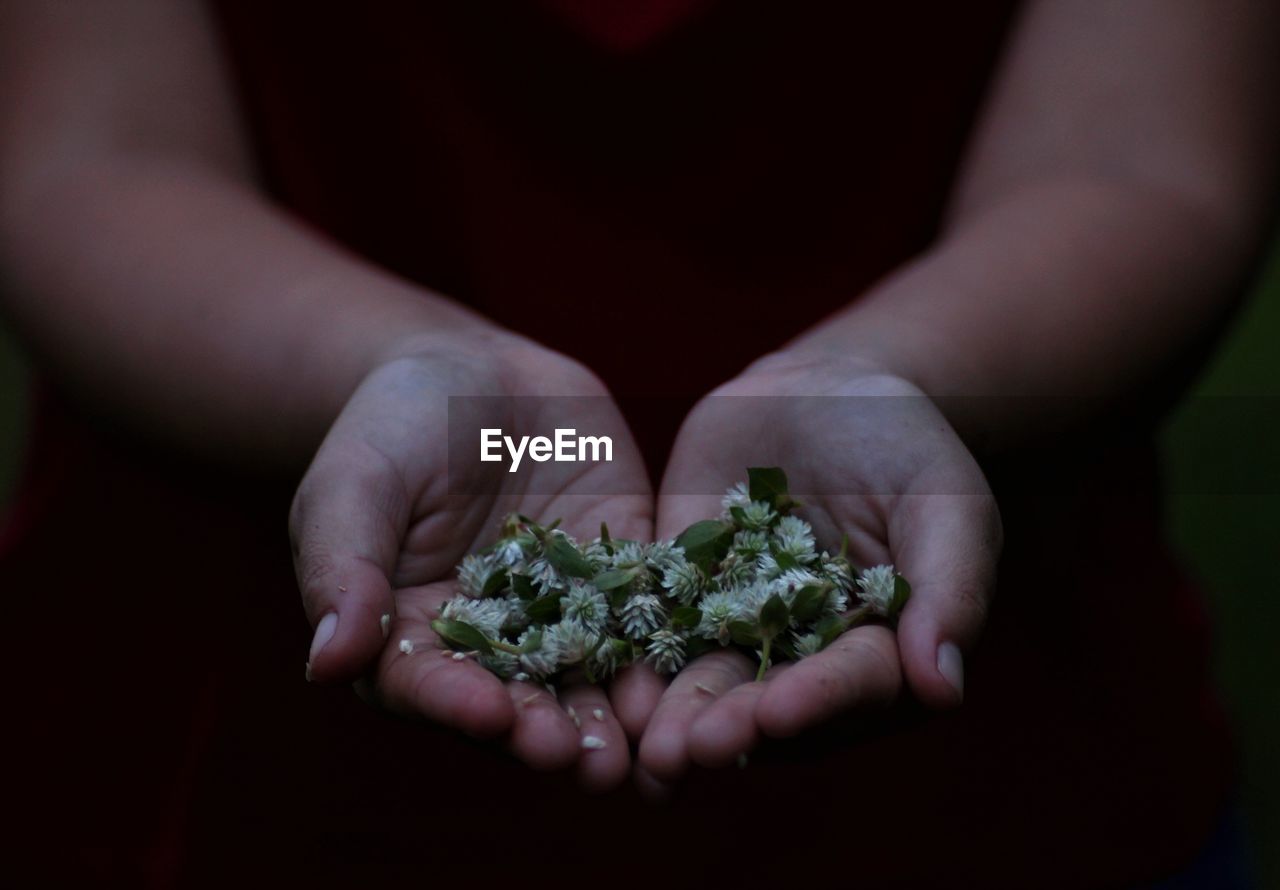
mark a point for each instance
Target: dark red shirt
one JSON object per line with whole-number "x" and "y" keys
{"x": 570, "y": 167}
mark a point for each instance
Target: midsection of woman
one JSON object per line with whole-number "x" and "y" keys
{"x": 665, "y": 192}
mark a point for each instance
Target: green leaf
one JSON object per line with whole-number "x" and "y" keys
{"x": 739, "y": 516}
{"x": 829, "y": 628}
{"x": 901, "y": 593}
{"x": 784, "y": 559}
{"x": 810, "y": 601}
{"x": 495, "y": 583}
{"x": 768, "y": 484}
{"x": 462, "y": 636}
{"x": 566, "y": 558}
{"x": 533, "y": 642}
{"x": 545, "y": 609}
{"x": 706, "y": 543}
{"x": 605, "y": 540}
{"x": 774, "y": 616}
{"x": 744, "y": 633}
{"x": 685, "y": 616}
{"x": 523, "y": 587}
{"x": 614, "y": 579}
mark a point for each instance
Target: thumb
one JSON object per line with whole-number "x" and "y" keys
{"x": 346, "y": 523}
{"x": 947, "y": 546}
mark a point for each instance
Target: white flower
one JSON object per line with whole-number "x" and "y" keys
{"x": 750, "y": 545}
{"x": 504, "y": 664}
{"x": 508, "y": 553}
{"x": 542, "y": 661}
{"x": 406, "y": 646}
{"x": 876, "y": 587}
{"x": 767, "y": 568}
{"x": 662, "y": 555}
{"x": 736, "y": 571}
{"x": 586, "y": 605}
{"x": 718, "y": 609}
{"x": 596, "y": 554}
{"x": 627, "y": 555}
{"x": 641, "y": 615}
{"x": 684, "y": 581}
{"x": 736, "y": 496}
{"x": 838, "y": 571}
{"x": 487, "y": 616}
{"x": 570, "y": 641}
{"x": 665, "y": 651}
{"x": 608, "y": 657}
{"x": 794, "y": 537}
{"x": 543, "y": 575}
{"x": 474, "y": 572}
{"x": 757, "y": 516}
{"x": 809, "y": 644}
{"x": 593, "y": 743}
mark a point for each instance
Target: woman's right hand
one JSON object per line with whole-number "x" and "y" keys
{"x": 379, "y": 522}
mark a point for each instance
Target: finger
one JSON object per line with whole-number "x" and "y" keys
{"x": 634, "y": 694}
{"x": 345, "y": 525}
{"x": 418, "y": 678}
{"x": 947, "y": 546}
{"x": 728, "y": 727}
{"x": 605, "y": 758}
{"x": 859, "y": 669}
{"x": 543, "y": 735}
{"x": 664, "y": 747}
{"x": 676, "y": 511}
{"x": 650, "y": 788}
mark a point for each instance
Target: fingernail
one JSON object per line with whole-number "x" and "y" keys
{"x": 951, "y": 665}
{"x": 324, "y": 633}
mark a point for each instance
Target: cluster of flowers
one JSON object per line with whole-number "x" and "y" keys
{"x": 538, "y": 602}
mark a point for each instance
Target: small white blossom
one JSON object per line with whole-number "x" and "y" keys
{"x": 767, "y": 568}
{"x": 543, "y": 575}
{"x": 795, "y": 538}
{"x": 665, "y": 651}
{"x": 876, "y": 587}
{"x": 684, "y": 581}
{"x": 608, "y": 657}
{"x": 757, "y": 516}
{"x": 641, "y": 615}
{"x": 750, "y": 545}
{"x": 593, "y": 743}
{"x": 487, "y": 616}
{"x": 736, "y": 496}
{"x": 718, "y": 609}
{"x": 508, "y": 553}
{"x": 406, "y": 646}
{"x": 586, "y": 605}
{"x": 543, "y": 660}
{"x": 806, "y": 645}
{"x": 662, "y": 555}
{"x": 474, "y": 572}
{"x": 570, "y": 641}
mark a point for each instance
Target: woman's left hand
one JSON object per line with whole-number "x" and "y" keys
{"x": 870, "y": 456}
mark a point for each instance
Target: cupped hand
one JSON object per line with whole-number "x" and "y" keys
{"x": 871, "y": 457}
{"x": 382, "y": 517}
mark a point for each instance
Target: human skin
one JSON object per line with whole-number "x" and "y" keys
{"x": 1116, "y": 185}
{"x": 1115, "y": 190}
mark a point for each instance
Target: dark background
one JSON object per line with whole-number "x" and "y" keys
{"x": 1222, "y": 452}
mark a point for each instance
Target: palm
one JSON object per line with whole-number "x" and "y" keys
{"x": 871, "y": 459}
{"x": 383, "y": 481}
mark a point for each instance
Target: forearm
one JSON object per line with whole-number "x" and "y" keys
{"x": 1065, "y": 296}
{"x": 174, "y": 292}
